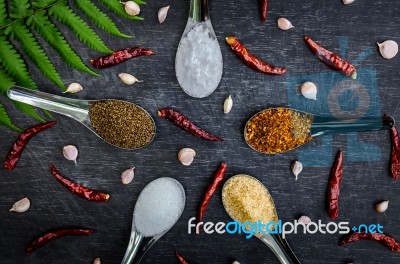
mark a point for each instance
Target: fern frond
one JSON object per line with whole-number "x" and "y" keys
{"x": 99, "y": 18}
{"x": 40, "y": 22}
{"x": 35, "y": 52}
{"x": 140, "y": 2}
{"x": 20, "y": 8}
{"x": 13, "y": 64}
{"x": 3, "y": 13}
{"x": 82, "y": 30}
{"x": 118, "y": 8}
{"x": 6, "y": 121}
{"x": 43, "y": 3}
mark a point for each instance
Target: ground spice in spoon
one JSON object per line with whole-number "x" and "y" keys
{"x": 122, "y": 124}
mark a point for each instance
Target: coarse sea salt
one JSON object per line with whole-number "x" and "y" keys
{"x": 198, "y": 62}
{"x": 159, "y": 206}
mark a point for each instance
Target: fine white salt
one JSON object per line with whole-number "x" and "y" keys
{"x": 198, "y": 62}
{"x": 159, "y": 206}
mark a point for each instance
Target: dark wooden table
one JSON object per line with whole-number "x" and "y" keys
{"x": 351, "y": 30}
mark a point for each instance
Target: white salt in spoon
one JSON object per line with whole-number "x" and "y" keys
{"x": 198, "y": 61}
{"x": 158, "y": 208}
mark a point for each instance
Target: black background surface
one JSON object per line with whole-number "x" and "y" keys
{"x": 100, "y": 165}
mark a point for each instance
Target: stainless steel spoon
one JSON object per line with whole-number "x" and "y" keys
{"x": 140, "y": 243}
{"x": 73, "y": 108}
{"x": 198, "y": 16}
{"x": 321, "y": 125}
{"x": 275, "y": 242}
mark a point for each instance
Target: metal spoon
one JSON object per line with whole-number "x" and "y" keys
{"x": 274, "y": 241}
{"x": 321, "y": 125}
{"x": 198, "y": 16}
{"x": 73, "y": 108}
{"x": 139, "y": 244}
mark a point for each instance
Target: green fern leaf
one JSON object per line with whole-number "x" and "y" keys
{"x": 82, "y": 30}
{"x": 3, "y": 13}
{"x": 118, "y": 8}
{"x": 43, "y": 3}
{"x": 35, "y": 52}
{"x": 140, "y": 2}
{"x": 99, "y": 18}
{"x": 14, "y": 65}
{"x": 40, "y": 22}
{"x": 20, "y": 8}
{"x": 6, "y": 121}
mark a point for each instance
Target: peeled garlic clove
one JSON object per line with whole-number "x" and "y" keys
{"x": 162, "y": 14}
{"x": 131, "y": 8}
{"x": 284, "y": 24}
{"x": 186, "y": 156}
{"x": 297, "y": 167}
{"x": 97, "y": 261}
{"x": 304, "y": 219}
{"x": 70, "y": 152}
{"x": 127, "y": 176}
{"x": 347, "y": 2}
{"x": 388, "y": 49}
{"x": 381, "y": 207}
{"x": 21, "y": 205}
{"x": 228, "y": 104}
{"x": 235, "y": 262}
{"x": 128, "y": 78}
{"x": 74, "y": 88}
{"x": 309, "y": 90}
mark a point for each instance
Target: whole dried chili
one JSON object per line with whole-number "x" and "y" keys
{"x": 250, "y": 60}
{"x": 333, "y": 60}
{"x": 263, "y": 5}
{"x": 120, "y": 56}
{"x": 386, "y": 240}
{"x": 183, "y": 122}
{"x": 81, "y": 191}
{"x": 218, "y": 177}
{"x": 180, "y": 258}
{"x": 395, "y": 153}
{"x": 49, "y": 236}
{"x": 334, "y": 186}
{"x": 16, "y": 150}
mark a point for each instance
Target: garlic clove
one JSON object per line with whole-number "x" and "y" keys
{"x": 235, "y": 262}
{"x": 70, "y": 152}
{"x": 127, "y": 175}
{"x": 128, "y": 78}
{"x": 131, "y": 8}
{"x": 309, "y": 90}
{"x": 97, "y": 261}
{"x": 74, "y": 88}
{"x": 304, "y": 219}
{"x": 297, "y": 167}
{"x": 347, "y": 2}
{"x": 381, "y": 207}
{"x": 186, "y": 156}
{"x": 388, "y": 49}
{"x": 21, "y": 205}
{"x": 162, "y": 14}
{"x": 284, "y": 24}
{"x": 228, "y": 104}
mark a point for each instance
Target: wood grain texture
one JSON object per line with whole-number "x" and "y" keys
{"x": 99, "y": 165}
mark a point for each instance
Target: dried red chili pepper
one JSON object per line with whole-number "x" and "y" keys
{"x": 333, "y": 60}
{"x": 218, "y": 177}
{"x": 386, "y": 240}
{"x": 80, "y": 190}
{"x": 334, "y": 186}
{"x": 180, "y": 258}
{"x": 16, "y": 150}
{"x": 395, "y": 154}
{"x": 120, "y": 56}
{"x": 44, "y": 239}
{"x": 183, "y": 122}
{"x": 263, "y": 5}
{"x": 250, "y": 60}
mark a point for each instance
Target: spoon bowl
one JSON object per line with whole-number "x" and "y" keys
{"x": 73, "y": 108}
{"x": 285, "y": 129}
{"x": 275, "y": 242}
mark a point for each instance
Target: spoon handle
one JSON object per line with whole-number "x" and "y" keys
{"x": 198, "y": 10}
{"x": 280, "y": 248}
{"x": 323, "y": 125}
{"x": 134, "y": 245}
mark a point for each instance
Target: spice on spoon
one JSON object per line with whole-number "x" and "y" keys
{"x": 122, "y": 124}
{"x": 120, "y": 56}
{"x": 334, "y": 186}
{"x": 277, "y": 130}
{"x": 384, "y": 239}
{"x": 15, "y": 152}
